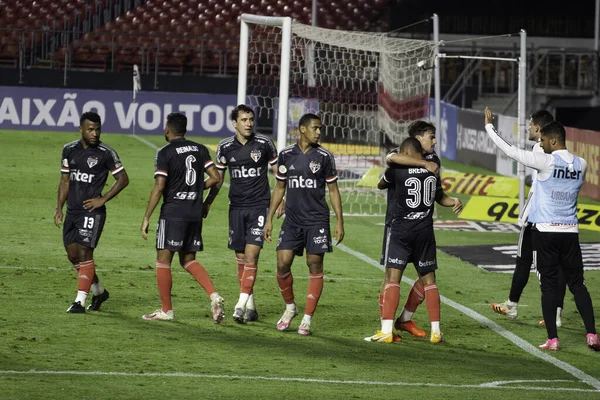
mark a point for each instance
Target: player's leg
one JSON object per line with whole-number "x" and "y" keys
{"x": 245, "y": 309}
{"x": 391, "y": 298}
{"x": 405, "y": 322}
{"x": 561, "y": 289}
{"x": 290, "y": 244}
{"x": 572, "y": 267}
{"x": 426, "y": 263}
{"x": 237, "y": 239}
{"x": 81, "y": 235}
{"x": 169, "y": 239}
{"x": 285, "y": 281}
{"x": 187, "y": 258}
{"x": 546, "y": 255}
{"x": 520, "y": 275}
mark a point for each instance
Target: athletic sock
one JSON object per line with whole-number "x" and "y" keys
{"x": 200, "y": 274}
{"x": 315, "y": 288}
{"x": 391, "y": 298}
{"x": 242, "y": 301}
{"x": 286, "y": 287}
{"x": 415, "y": 298}
{"x": 240, "y": 269}
{"x": 432, "y": 300}
{"x": 250, "y": 303}
{"x": 85, "y": 273}
{"x": 164, "y": 281}
{"x": 248, "y": 278}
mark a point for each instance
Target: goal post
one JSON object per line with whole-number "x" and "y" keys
{"x": 366, "y": 87}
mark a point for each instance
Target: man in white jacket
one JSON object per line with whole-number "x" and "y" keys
{"x": 555, "y": 229}
{"x": 524, "y": 261}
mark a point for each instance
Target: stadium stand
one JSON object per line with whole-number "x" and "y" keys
{"x": 197, "y": 36}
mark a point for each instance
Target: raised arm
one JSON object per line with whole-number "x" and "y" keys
{"x": 539, "y": 161}
{"x": 403, "y": 159}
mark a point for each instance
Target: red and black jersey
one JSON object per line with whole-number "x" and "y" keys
{"x": 248, "y": 169}
{"x": 183, "y": 163}
{"x": 306, "y": 175}
{"x": 88, "y": 170}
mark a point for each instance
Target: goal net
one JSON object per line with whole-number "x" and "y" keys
{"x": 366, "y": 87}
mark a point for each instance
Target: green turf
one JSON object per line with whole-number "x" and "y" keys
{"x": 125, "y": 357}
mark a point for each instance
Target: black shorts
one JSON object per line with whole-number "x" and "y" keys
{"x": 84, "y": 229}
{"x": 176, "y": 235}
{"x": 404, "y": 246}
{"x": 315, "y": 239}
{"x": 554, "y": 250}
{"x": 246, "y": 227}
{"x": 524, "y": 247}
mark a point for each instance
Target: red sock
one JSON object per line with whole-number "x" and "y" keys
{"x": 391, "y": 298}
{"x": 164, "y": 281}
{"x": 86, "y": 272}
{"x": 415, "y": 297}
{"x": 96, "y": 279}
{"x": 315, "y": 288}
{"x": 286, "y": 287}
{"x": 381, "y": 300}
{"x": 240, "y": 265}
{"x": 198, "y": 272}
{"x": 248, "y": 278}
{"x": 432, "y": 299}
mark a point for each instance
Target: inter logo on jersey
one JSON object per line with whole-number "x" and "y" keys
{"x": 255, "y": 155}
{"x": 314, "y": 166}
{"x": 91, "y": 161}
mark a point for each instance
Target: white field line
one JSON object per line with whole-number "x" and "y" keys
{"x": 488, "y": 385}
{"x": 529, "y": 348}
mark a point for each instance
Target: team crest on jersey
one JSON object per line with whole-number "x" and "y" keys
{"x": 255, "y": 155}
{"x": 314, "y": 166}
{"x": 91, "y": 161}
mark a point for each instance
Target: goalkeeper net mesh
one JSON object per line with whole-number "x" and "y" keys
{"x": 366, "y": 87}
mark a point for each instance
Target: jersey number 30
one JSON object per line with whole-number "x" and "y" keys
{"x": 426, "y": 196}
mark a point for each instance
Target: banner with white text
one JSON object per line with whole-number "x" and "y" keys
{"x": 46, "y": 109}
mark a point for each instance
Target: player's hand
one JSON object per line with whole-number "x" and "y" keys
{"x": 281, "y": 209}
{"x": 338, "y": 234}
{"x": 432, "y": 167}
{"x": 267, "y": 231}
{"x": 58, "y": 217}
{"x": 457, "y": 207}
{"x": 489, "y": 117}
{"x": 205, "y": 209}
{"x": 92, "y": 204}
{"x": 144, "y": 228}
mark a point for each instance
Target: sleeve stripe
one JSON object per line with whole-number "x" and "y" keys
{"x": 221, "y": 166}
{"x": 273, "y": 161}
{"x": 385, "y": 179}
{"x": 332, "y": 179}
{"x": 160, "y": 172}
{"x": 280, "y": 178}
{"x": 208, "y": 163}
{"x": 65, "y": 170}
{"x": 116, "y": 171}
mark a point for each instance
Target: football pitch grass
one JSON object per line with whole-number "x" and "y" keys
{"x": 48, "y": 354}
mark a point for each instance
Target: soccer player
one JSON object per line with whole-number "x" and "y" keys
{"x": 248, "y": 156}
{"x": 424, "y": 132}
{"x": 303, "y": 170}
{"x": 520, "y": 277}
{"x": 555, "y": 229}
{"x": 85, "y": 167}
{"x": 410, "y": 237}
{"x": 179, "y": 178}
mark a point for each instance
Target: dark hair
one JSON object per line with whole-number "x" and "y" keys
{"x": 240, "y": 108}
{"x": 411, "y": 143}
{"x": 306, "y": 118}
{"x": 555, "y": 129}
{"x": 177, "y": 123}
{"x": 90, "y": 116}
{"x": 542, "y": 117}
{"x": 418, "y": 128}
